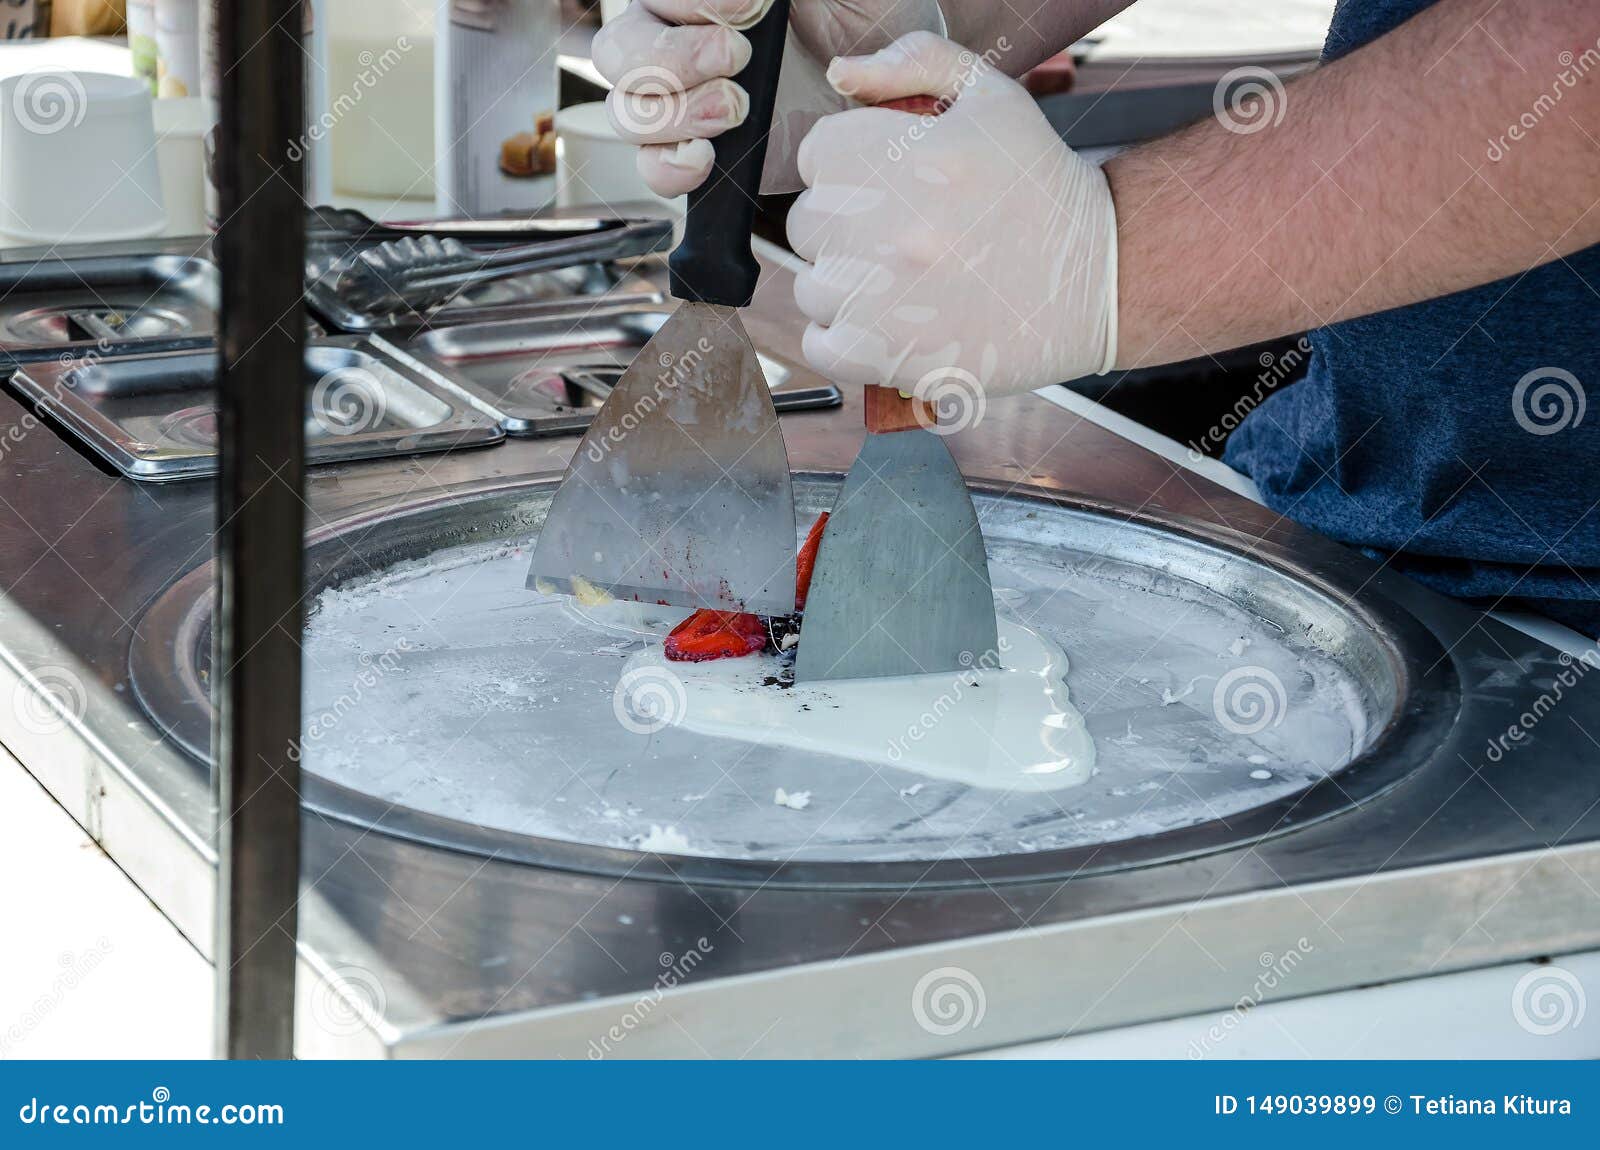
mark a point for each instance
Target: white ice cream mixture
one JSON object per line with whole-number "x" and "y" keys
{"x": 1005, "y": 723}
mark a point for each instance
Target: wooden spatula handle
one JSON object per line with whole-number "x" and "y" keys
{"x": 916, "y": 105}
{"x": 887, "y": 411}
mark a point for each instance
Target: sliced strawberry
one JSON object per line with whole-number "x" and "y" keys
{"x": 806, "y": 564}
{"x": 707, "y": 635}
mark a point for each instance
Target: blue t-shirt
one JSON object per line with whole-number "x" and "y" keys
{"x": 1452, "y": 437}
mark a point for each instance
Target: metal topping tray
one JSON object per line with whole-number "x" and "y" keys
{"x": 153, "y": 417}
{"x": 548, "y": 374}
{"x": 110, "y": 303}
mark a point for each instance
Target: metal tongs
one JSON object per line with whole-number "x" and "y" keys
{"x": 417, "y": 267}
{"x": 326, "y": 225}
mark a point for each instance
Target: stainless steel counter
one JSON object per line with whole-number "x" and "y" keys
{"x": 1477, "y": 856}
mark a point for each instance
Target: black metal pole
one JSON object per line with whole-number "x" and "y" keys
{"x": 260, "y": 524}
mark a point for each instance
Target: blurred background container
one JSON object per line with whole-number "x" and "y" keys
{"x": 379, "y": 59}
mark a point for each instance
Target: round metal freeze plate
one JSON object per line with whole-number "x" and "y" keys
{"x": 447, "y": 704}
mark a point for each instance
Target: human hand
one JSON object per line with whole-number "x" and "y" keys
{"x": 972, "y": 250}
{"x": 671, "y": 61}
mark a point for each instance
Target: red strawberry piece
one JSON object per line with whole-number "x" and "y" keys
{"x": 806, "y": 564}
{"x": 707, "y": 635}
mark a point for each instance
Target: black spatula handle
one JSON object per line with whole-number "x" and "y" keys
{"x": 713, "y": 263}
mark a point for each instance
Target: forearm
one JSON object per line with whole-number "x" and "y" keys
{"x": 1389, "y": 180}
{"x": 982, "y": 24}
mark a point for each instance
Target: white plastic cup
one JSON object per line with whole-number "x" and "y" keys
{"x": 78, "y": 159}
{"x": 596, "y": 166}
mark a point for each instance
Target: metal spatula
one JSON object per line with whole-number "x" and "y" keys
{"x": 680, "y": 491}
{"x": 901, "y": 585}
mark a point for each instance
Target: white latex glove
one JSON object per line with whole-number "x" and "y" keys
{"x": 669, "y": 63}
{"x": 970, "y": 252}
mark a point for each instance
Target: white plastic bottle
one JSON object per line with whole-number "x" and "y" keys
{"x": 142, "y": 40}
{"x": 177, "y": 48}
{"x": 211, "y": 102}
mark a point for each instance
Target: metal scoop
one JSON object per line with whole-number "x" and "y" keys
{"x": 680, "y": 491}
{"x": 901, "y": 585}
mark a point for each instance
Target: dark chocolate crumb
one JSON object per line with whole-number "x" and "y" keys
{"x": 783, "y": 680}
